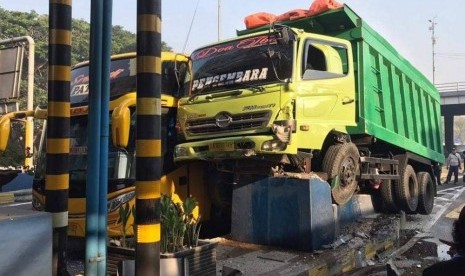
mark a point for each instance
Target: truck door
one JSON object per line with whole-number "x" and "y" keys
{"x": 327, "y": 90}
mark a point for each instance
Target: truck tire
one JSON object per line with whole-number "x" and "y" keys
{"x": 342, "y": 160}
{"x": 329, "y": 157}
{"x": 406, "y": 190}
{"x": 425, "y": 193}
{"x": 387, "y": 196}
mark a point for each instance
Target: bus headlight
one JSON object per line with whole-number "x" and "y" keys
{"x": 180, "y": 151}
{"x": 115, "y": 203}
{"x": 273, "y": 145}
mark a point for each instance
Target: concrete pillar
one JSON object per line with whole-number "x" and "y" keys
{"x": 449, "y": 132}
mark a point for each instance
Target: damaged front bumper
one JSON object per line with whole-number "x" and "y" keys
{"x": 231, "y": 148}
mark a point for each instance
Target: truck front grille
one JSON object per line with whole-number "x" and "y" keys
{"x": 225, "y": 122}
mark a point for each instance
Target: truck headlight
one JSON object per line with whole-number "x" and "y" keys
{"x": 283, "y": 130}
{"x": 180, "y": 152}
{"x": 273, "y": 145}
{"x": 115, "y": 203}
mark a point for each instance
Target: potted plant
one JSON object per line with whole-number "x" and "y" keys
{"x": 179, "y": 237}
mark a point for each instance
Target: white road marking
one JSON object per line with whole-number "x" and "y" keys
{"x": 16, "y": 204}
{"x": 443, "y": 209}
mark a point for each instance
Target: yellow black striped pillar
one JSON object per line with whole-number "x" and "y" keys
{"x": 57, "y": 167}
{"x": 148, "y": 143}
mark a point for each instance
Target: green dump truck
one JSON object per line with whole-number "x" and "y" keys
{"x": 324, "y": 94}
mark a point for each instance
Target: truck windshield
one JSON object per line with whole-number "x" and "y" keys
{"x": 250, "y": 61}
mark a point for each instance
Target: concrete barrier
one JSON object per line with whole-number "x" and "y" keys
{"x": 286, "y": 212}
{"x": 26, "y": 242}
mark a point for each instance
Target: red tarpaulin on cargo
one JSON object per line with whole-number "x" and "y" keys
{"x": 319, "y": 6}
{"x": 259, "y": 19}
{"x": 263, "y": 18}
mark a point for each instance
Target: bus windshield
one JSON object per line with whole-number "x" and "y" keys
{"x": 249, "y": 61}
{"x": 123, "y": 72}
{"x": 121, "y": 162}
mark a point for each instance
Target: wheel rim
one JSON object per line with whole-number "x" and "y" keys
{"x": 348, "y": 172}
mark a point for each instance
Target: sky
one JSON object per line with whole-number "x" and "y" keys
{"x": 405, "y": 24}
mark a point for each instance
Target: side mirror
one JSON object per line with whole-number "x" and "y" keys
{"x": 4, "y": 132}
{"x": 120, "y": 124}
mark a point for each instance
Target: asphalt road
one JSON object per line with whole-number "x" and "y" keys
{"x": 411, "y": 258}
{"x": 453, "y": 197}
{"x": 424, "y": 248}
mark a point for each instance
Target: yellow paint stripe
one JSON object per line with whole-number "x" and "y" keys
{"x": 148, "y": 233}
{"x": 350, "y": 262}
{"x": 58, "y": 146}
{"x": 454, "y": 214}
{"x": 321, "y": 270}
{"x": 57, "y": 182}
{"x": 388, "y": 244}
{"x": 7, "y": 198}
{"x": 148, "y": 106}
{"x": 148, "y": 148}
{"x": 370, "y": 251}
{"x": 149, "y": 64}
{"x": 58, "y": 109}
{"x": 63, "y": 2}
{"x": 58, "y": 36}
{"x": 59, "y": 73}
{"x": 148, "y": 189}
{"x": 148, "y": 23}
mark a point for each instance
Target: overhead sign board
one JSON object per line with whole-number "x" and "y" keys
{"x": 11, "y": 60}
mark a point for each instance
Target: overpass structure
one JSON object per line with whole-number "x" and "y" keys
{"x": 452, "y": 104}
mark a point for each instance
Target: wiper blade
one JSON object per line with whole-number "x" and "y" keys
{"x": 255, "y": 88}
{"x": 193, "y": 96}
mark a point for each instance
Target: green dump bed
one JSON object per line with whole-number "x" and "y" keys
{"x": 396, "y": 103}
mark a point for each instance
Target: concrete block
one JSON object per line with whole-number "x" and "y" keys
{"x": 286, "y": 212}
{"x": 26, "y": 242}
{"x": 358, "y": 206}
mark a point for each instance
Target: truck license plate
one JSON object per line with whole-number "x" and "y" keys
{"x": 228, "y": 146}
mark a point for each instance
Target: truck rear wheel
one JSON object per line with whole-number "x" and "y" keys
{"x": 406, "y": 190}
{"x": 387, "y": 196}
{"x": 425, "y": 193}
{"x": 341, "y": 162}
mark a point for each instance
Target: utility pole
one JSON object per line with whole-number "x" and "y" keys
{"x": 219, "y": 18}
{"x": 433, "y": 42}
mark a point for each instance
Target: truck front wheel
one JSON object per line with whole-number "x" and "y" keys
{"x": 341, "y": 163}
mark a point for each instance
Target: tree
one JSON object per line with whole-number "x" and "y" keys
{"x": 14, "y": 24}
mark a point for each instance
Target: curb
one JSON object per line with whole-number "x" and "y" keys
{"x": 348, "y": 260}
{"x": 16, "y": 196}
{"x": 347, "y": 254}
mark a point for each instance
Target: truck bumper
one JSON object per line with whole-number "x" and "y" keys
{"x": 232, "y": 148}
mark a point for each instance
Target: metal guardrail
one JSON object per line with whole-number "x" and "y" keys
{"x": 451, "y": 87}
